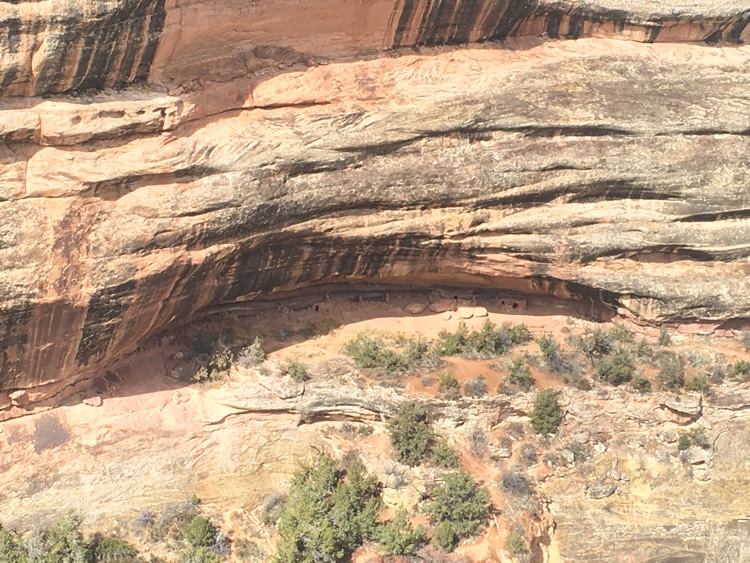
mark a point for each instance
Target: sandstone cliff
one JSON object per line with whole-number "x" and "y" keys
{"x": 162, "y": 157}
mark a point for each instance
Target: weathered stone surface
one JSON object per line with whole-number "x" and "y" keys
{"x": 600, "y": 489}
{"x": 272, "y": 146}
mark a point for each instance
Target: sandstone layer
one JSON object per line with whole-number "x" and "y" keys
{"x": 163, "y": 157}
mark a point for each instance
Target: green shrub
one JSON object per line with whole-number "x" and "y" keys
{"x": 595, "y": 344}
{"x": 515, "y": 543}
{"x": 620, "y": 333}
{"x": 111, "y": 549}
{"x": 698, "y": 383}
{"x": 618, "y": 369}
{"x": 444, "y": 456}
{"x": 453, "y": 343}
{"x": 520, "y": 374}
{"x": 372, "y": 352}
{"x": 445, "y": 537}
{"x": 327, "y": 514}
{"x": 460, "y": 502}
{"x": 519, "y": 334}
{"x": 482, "y": 343}
{"x": 296, "y": 370}
{"x": 671, "y": 374}
{"x": 739, "y": 370}
{"x": 582, "y": 384}
{"x": 200, "y": 532}
{"x": 397, "y": 537}
{"x": 546, "y": 415}
{"x": 476, "y": 387}
{"x": 198, "y": 554}
{"x": 516, "y": 483}
{"x": 551, "y": 353}
{"x": 252, "y": 354}
{"x": 664, "y": 338}
{"x": 643, "y": 351}
{"x": 641, "y": 384}
{"x": 410, "y": 435}
{"x": 684, "y": 442}
{"x": 448, "y": 386}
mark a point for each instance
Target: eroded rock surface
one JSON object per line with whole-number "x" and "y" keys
{"x": 255, "y": 147}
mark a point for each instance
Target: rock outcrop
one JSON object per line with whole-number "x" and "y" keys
{"x": 163, "y": 157}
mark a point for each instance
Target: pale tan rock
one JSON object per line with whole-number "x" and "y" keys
{"x": 446, "y": 316}
{"x": 19, "y": 398}
{"x": 415, "y": 308}
{"x": 95, "y": 401}
{"x": 465, "y": 313}
{"x": 479, "y": 312}
{"x": 442, "y": 306}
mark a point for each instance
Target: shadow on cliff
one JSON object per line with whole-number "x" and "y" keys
{"x": 167, "y": 362}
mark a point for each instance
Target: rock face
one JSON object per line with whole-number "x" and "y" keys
{"x": 161, "y": 157}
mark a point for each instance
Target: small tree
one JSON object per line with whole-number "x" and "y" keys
{"x": 546, "y": 415}
{"x": 200, "y": 532}
{"x": 444, "y": 456}
{"x": 664, "y": 338}
{"x": 296, "y": 370}
{"x": 460, "y": 502}
{"x": 515, "y": 543}
{"x": 410, "y": 434}
{"x": 641, "y": 384}
{"x": 397, "y": 537}
{"x": 551, "y": 353}
{"x": 618, "y": 369}
{"x": 595, "y": 344}
{"x": 449, "y": 387}
{"x": 445, "y": 537}
{"x": 476, "y": 387}
{"x": 671, "y": 374}
{"x": 520, "y": 374}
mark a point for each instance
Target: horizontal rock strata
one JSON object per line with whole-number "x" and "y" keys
{"x": 613, "y": 171}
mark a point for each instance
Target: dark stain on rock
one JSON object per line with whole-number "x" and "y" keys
{"x": 105, "y": 312}
{"x": 49, "y": 433}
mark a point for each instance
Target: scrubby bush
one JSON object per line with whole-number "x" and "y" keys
{"x": 515, "y": 543}
{"x": 200, "y": 532}
{"x": 397, "y": 537}
{"x": 461, "y": 503}
{"x": 444, "y": 456}
{"x": 528, "y": 454}
{"x": 664, "y": 338}
{"x": 618, "y": 369}
{"x": 516, "y": 483}
{"x": 448, "y": 386}
{"x": 699, "y": 383}
{"x": 411, "y": 437}
{"x": 644, "y": 352}
{"x": 476, "y": 387}
{"x": 372, "y": 352}
{"x": 641, "y": 384}
{"x": 595, "y": 344}
{"x": 328, "y": 513}
{"x": 551, "y": 353}
{"x": 445, "y": 537}
{"x": 518, "y": 334}
{"x": 111, "y": 549}
{"x": 198, "y": 554}
{"x": 620, "y": 333}
{"x": 296, "y": 370}
{"x": 252, "y": 354}
{"x": 684, "y": 442}
{"x": 671, "y": 374}
{"x": 520, "y": 374}
{"x": 582, "y": 384}
{"x": 546, "y": 415}
{"x": 739, "y": 370}
{"x": 453, "y": 343}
